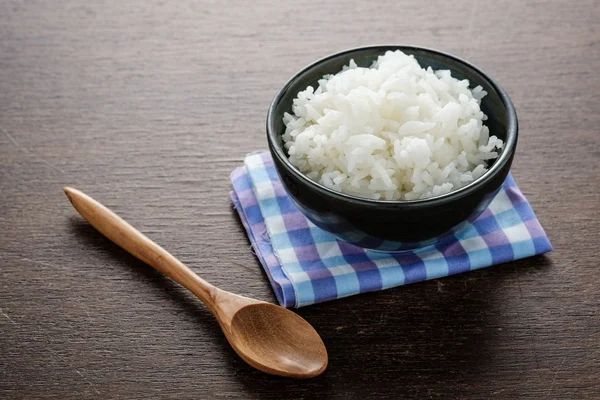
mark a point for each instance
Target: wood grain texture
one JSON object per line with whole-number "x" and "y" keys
{"x": 148, "y": 106}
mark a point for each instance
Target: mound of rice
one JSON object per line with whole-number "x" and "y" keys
{"x": 394, "y": 131}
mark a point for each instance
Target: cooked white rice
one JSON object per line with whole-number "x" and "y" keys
{"x": 394, "y": 131}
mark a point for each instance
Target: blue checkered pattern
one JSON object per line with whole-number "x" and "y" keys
{"x": 307, "y": 265}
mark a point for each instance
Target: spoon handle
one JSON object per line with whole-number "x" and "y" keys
{"x": 130, "y": 239}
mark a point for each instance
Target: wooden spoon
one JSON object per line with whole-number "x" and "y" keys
{"x": 268, "y": 337}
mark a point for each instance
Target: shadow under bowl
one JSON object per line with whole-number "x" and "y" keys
{"x": 394, "y": 225}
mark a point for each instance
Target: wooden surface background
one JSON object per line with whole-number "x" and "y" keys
{"x": 148, "y": 105}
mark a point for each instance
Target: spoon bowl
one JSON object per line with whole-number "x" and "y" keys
{"x": 268, "y": 337}
{"x": 291, "y": 348}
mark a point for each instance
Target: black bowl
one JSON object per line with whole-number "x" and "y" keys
{"x": 394, "y": 225}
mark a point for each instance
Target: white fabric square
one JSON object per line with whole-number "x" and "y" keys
{"x": 341, "y": 270}
{"x": 473, "y": 243}
{"x": 275, "y": 224}
{"x": 254, "y": 161}
{"x": 287, "y": 255}
{"x": 385, "y": 262}
{"x": 264, "y": 191}
{"x": 500, "y": 203}
{"x": 328, "y": 249}
{"x": 298, "y": 277}
{"x": 517, "y": 233}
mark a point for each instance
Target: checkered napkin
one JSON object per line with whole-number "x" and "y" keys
{"x": 307, "y": 265}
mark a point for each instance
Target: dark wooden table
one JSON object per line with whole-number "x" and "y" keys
{"x": 148, "y": 106}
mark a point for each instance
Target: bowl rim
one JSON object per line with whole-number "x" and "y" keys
{"x": 489, "y": 175}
